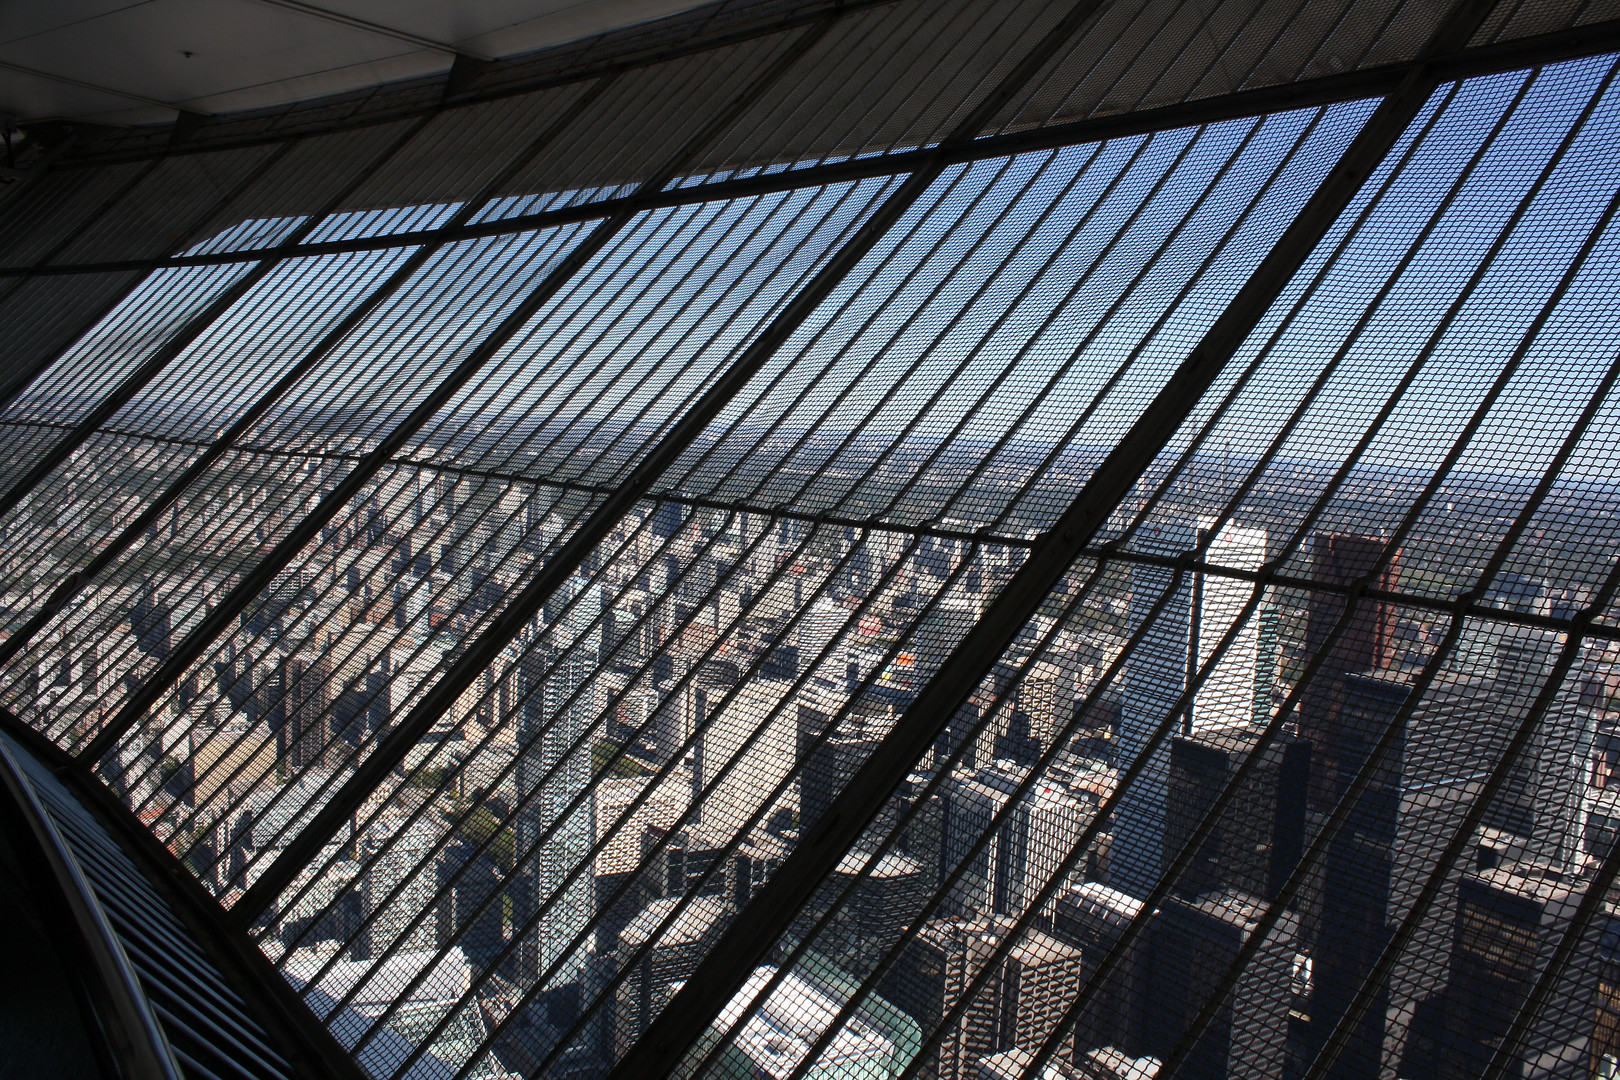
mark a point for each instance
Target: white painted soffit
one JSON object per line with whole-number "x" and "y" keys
{"x": 139, "y": 61}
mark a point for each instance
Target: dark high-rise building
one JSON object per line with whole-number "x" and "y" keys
{"x": 882, "y": 901}
{"x": 917, "y": 982}
{"x": 681, "y": 863}
{"x": 1543, "y": 801}
{"x": 1018, "y": 1007}
{"x": 1093, "y": 917}
{"x": 293, "y": 703}
{"x": 1509, "y": 920}
{"x": 470, "y": 913}
{"x": 1447, "y": 743}
{"x": 1202, "y": 645}
{"x": 752, "y": 864}
{"x": 1191, "y": 944}
{"x": 922, "y": 837}
{"x": 671, "y": 952}
{"x": 970, "y": 803}
{"x": 1030, "y": 844}
{"x": 1040, "y": 980}
{"x": 1367, "y": 643}
{"x": 149, "y": 620}
{"x": 1261, "y": 834}
{"x": 831, "y": 747}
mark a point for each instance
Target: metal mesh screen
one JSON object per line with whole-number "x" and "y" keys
{"x": 1145, "y": 55}
{"x": 1193, "y": 781}
{"x": 955, "y": 540}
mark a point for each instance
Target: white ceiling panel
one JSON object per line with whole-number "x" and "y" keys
{"x": 113, "y": 61}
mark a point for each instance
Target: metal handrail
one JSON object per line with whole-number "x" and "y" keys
{"x": 135, "y": 1044}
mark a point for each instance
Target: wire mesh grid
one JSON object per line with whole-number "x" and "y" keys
{"x": 1142, "y": 55}
{"x": 987, "y": 202}
{"x": 1422, "y": 749}
{"x": 460, "y": 535}
{"x": 42, "y": 317}
{"x": 892, "y": 79}
{"x": 1302, "y": 769}
{"x": 640, "y": 119}
{"x": 934, "y": 61}
{"x": 1514, "y": 18}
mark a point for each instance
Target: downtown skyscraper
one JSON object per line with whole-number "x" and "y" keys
{"x": 1186, "y": 636}
{"x": 554, "y": 828}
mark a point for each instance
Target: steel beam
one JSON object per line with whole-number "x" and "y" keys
{"x": 15, "y": 383}
{"x": 1331, "y": 90}
{"x": 1325, "y": 90}
{"x": 155, "y": 364}
{"x": 75, "y": 582}
{"x": 1339, "y": 1038}
{"x": 248, "y": 588}
{"x": 751, "y": 937}
{"x": 501, "y": 630}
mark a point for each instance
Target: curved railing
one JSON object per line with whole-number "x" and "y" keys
{"x": 134, "y": 1045}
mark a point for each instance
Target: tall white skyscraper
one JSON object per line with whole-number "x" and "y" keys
{"x": 558, "y": 708}
{"x": 1181, "y": 641}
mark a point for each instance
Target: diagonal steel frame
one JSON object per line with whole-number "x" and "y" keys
{"x": 1178, "y": 565}
{"x": 740, "y": 949}
{"x": 1339, "y": 1038}
{"x": 1498, "y": 777}
{"x": 194, "y": 327}
{"x": 562, "y": 490}
{"x": 17, "y": 383}
{"x": 255, "y": 581}
{"x": 75, "y": 582}
{"x": 1457, "y": 610}
{"x": 1588, "y": 41}
{"x": 585, "y": 933}
{"x": 551, "y": 576}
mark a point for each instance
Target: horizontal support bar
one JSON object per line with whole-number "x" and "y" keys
{"x": 1328, "y": 90}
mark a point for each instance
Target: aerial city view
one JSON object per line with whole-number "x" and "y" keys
{"x": 606, "y": 796}
{"x": 1126, "y": 601}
